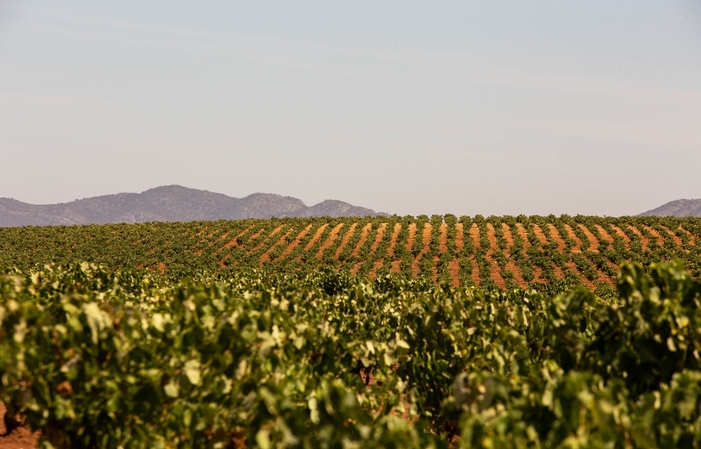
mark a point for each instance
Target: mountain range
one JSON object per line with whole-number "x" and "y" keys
{"x": 169, "y": 203}
{"x": 677, "y": 208}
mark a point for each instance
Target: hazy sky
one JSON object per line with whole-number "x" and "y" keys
{"x": 491, "y": 107}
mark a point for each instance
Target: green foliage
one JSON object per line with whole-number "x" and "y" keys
{"x": 112, "y": 358}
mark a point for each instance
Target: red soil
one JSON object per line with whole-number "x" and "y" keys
{"x": 577, "y": 242}
{"x": 355, "y": 268}
{"x": 475, "y": 274}
{"x": 443, "y": 238}
{"x": 523, "y": 233}
{"x": 329, "y": 240}
{"x": 265, "y": 240}
{"x": 674, "y": 236}
{"x": 654, "y": 233}
{"x": 376, "y": 266}
{"x": 316, "y": 237}
{"x": 295, "y": 243}
{"x": 555, "y": 234}
{"x": 494, "y": 270}
{"x": 692, "y": 238}
{"x": 266, "y": 256}
{"x": 540, "y": 234}
{"x": 621, "y": 234}
{"x": 454, "y": 270}
{"x": 346, "y": 239}
{"x": 394, "y": 266}
{"x": 378, "y": 238}
{"x": 20, "y": 438}
{"x": 459, "y": 244}
{"x": 412, "y": 237}
{"x": 393, "y": 240}
{"x": 643, "y": 240}
{"x": 573, "y": 268}
{"x": 234, "y": 242}
{"x": 591, "y": 237}
{"x": 363, "y": 239}
{"x": 507, "y": 236}
{"x": 604, "y": 235}
{"x": 425, "y": 240}
{"x": 434, "y": 269}
{"x": 475, "y": 234}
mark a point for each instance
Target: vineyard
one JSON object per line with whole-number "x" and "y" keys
{"x": 545, "y": 253}
{"x": 398, "y": 332}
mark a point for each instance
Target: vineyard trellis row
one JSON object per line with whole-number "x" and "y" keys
{"x": 504, "y": 252}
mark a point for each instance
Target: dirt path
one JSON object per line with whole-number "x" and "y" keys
{"x": 454, "y": 270}
{"x": 412, "y": 236}
{"x": 523, "y": 233}
{"x": 395, "y": 267}
{"x": 459, "y": 243}
{"x": 255, "y": 235}
{"x": 506, "y": 229}
{"x": 475, "y": 235}
{"x": 511, "y": 264}
{"x": 573, "y": 268}
{"x": 555, "y": 234}
{"x": 425, "y": 241}
{"x": 604, "y": 235}
{"x": 443, "y": 238}
{"x": 295, "y": 243}
{"x": 577, "y": 242}
{"x": 619, "y": 232}
{"x": 593, "y": 242}
{"x": 266, "y": 256}
{"x": 692, "y": 237}
{"x": 655, "y": 234}
{"x": 329, "y": 240}
{"x": 355, "y": 268}
{"x": 643, "y": 240}
{"x": 393, "y": 240}
{"x": 494, "y": 270}
{"x": 265, "y": 240}
{"x": 378, "y": 238}
{"x": 20, "y": 438}
{"x": 315, "y": 238}
{"x": 235, "y": 241}
{"x": 475, "y": 273}
{"x": 231, "y": 244}
{"x": 540, "y": 234}
{"x": 346, "y": 239}
{"x": 363, "y": 239}
{"x": 376, "y": 266}
{"x": 673, "y": 235}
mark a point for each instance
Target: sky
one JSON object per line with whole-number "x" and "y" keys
{"x": 408, "y": 107}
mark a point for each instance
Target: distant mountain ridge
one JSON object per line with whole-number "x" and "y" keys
{"x": 677, "y": 208}
{"x": 169, "y": 203}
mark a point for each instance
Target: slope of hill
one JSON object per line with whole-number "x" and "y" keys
{"x": 544, "y": 253}
{"x": 678, "y": 208}
{"x": 168, "y": 203}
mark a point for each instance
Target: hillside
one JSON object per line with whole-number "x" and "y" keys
{"x": 545, "y": 253}
{"x": 678, "y": 208}
{"x": 169, "y": 203}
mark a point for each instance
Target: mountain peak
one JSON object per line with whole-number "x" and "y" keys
{"x": 677, "y": 208}
{"x": 169, "y": 203}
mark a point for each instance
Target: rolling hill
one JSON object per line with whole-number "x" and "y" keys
{"x": 678, "y": 208}
{"x": 169, "y": 203}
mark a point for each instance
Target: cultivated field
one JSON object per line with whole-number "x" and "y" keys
{"x": 505, "y": 252}
{"x": 350, "y": 333}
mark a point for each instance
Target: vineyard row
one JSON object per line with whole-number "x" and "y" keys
{"x": 467, "y": 251}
